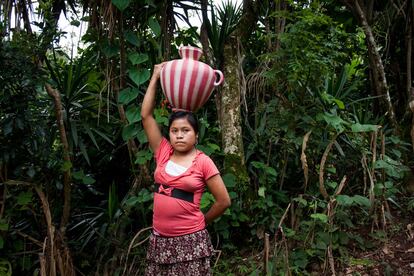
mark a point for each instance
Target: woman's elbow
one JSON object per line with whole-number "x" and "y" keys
{"x": 226, "y": 203}
{"x": 145, "y": 117}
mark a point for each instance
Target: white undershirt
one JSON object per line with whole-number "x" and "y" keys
{"x": 174, "y": 169}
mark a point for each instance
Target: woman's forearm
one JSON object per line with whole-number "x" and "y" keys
{"x": 148, "y": 103}
{"x": 216, "y": 210}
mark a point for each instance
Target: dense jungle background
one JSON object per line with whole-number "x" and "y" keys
{"x": 312, "y": 132}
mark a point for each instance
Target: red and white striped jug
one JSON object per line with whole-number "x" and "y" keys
{"x": 188, "y": 83}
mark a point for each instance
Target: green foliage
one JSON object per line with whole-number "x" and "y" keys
{"x": 222, "y": 26}
{"x": 5, "y": 268}
{"x": 316, "y": 82}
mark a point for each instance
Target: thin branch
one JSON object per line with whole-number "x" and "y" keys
{"x": 322, "y": 188}
{"x": 26, "y": 236}
{"x": 304, "y": 160}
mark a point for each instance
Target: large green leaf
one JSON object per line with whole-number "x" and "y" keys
{"x": 5, "y": 265}
{"x": 142, "y": 137}
{"x": 320, "y": 216}
{"x": 132, "y": 38}
{"x": 137, "y": 58}
{"x": 139, "y": 76}
{"x": 4, "y": 226}
{"x": 104, "y": 136}
{"x": 334, "y": 120}
{"x": 127, "y": 95}
{"x": 361, "y": 200}
{"x": 143, "y": 156}
{"x": 155, "y": 26}
{"x": 129, "y": 131}
{"x": 88, "y": 180}
{"x": 24, "y": 198}
{"x": 110, "y": 50}
{"x": 230, "y": 180}
{"x": 132, "y": 201}
{"x": 344, "y": 200}
{"x": 363, "y": 128}
{"x": 133, "y": 114}
{"x": 121, "y": 4}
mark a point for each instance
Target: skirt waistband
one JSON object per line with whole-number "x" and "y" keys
{"x": 169, "y": 250}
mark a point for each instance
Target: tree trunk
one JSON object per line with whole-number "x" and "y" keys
{"x": 228, "y": 101}
{"x": 66, "y": 157}
{"x": 376, "y": 65}
{"x": 280, "y": 23}
{"x": 410, "y": 89}
{"x": 229, "y": 115}
{"x": 204, "y": 29}
{"x": 228, "y": 98}
{"x": 56, "y": 255}
{"x": 167, "y": 28}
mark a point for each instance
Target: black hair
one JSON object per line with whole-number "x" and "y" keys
{"x": 191, "y": 118}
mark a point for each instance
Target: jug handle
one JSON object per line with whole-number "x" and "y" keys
{"x": 221, "y": 79}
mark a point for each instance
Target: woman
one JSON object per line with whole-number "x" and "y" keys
{"x": 180, "y": 244}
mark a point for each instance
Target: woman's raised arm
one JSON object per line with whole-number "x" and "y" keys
{"x": 151, "y": 127}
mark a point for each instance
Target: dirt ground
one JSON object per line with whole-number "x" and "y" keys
{"x": 393, "y": 256}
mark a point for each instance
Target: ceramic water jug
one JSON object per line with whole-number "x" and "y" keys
{"x": 187, "y": 83}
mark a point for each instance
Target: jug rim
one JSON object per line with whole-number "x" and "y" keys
{"x": 188, "y": 51}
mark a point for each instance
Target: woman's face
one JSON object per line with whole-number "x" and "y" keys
{"x": 182, "y": 135}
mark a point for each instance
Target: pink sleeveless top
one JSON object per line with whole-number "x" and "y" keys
{"x": 175, "y": 217}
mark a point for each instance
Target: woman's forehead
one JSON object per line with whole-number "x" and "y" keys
{"x": 181, "y": 122}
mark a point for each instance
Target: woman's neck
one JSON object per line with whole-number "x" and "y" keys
{"x": 184, "y": 159}
{"x": 185, "y": 154}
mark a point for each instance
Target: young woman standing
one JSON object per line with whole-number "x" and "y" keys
{"x": 180, "y": 243}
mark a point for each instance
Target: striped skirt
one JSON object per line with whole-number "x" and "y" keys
{"x": 183, "y": 255}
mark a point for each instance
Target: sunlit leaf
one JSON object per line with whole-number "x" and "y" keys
{"x": 321, "y": 217}
{"x": 357, "y": 127}
{"x": 261, "y": 191}
{"x": 339, "y": 103}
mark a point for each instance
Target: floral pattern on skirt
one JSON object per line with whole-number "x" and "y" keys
{"x": 183, "y": 255}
